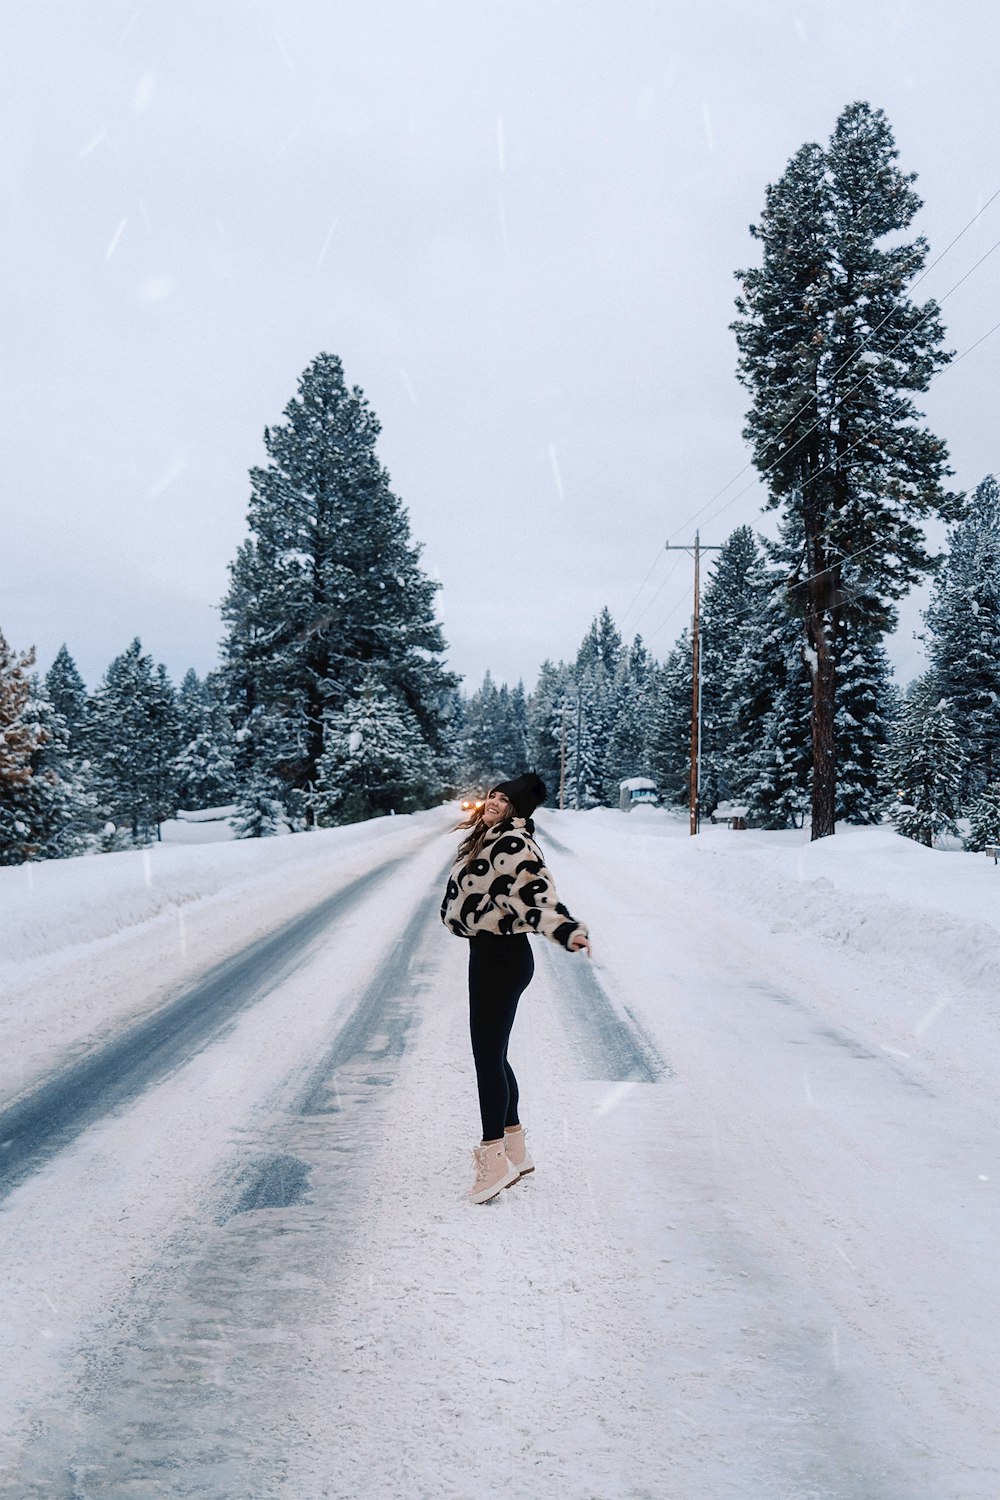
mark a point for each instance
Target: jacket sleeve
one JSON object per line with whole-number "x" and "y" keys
{"x": 532, "y": 897}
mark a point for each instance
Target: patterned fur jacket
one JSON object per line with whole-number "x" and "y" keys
{"x": 506, "y": 889}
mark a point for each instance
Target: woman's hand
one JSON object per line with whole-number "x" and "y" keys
{"x": 580, "y": 943}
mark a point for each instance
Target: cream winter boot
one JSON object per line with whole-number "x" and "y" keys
{"x": 517, "y": 1151}
{"x": 493, "y": 1172}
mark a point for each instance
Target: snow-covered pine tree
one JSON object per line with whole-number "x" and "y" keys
{"x": 133, "y": 739}
{"x": 65, "y": 689}
{"x": 481, "y": 713}
{"x": 586, "y": 746}
{"x": 59, "y": 803}
{"x": 765, "y": 709}
{"x": 831, "y": 347}
{"x": 627, "y": 742}
{"x": 668, "y": 724}
{"x": 984, "y": 818}
{"x": 598, "y": 662}
{"x": 376, "y": 760}
{"x": 21, "y": 736}
{"x": 866, "y": 702}
{"x": 205, "y": 767}
{"x": 601, "y": 646}
{"x": 451, "y": 761}
{"x": 963, "y": 621}
{"x": 924, "y": 765}
{"x": 510, "y": 735}
{"x": 548, "y": 717}
{"x": 328, "y": 585}
{"x": 729, "y": 600}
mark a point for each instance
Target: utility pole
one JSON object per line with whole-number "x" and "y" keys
{"x": 694, "y": 775}
{"x": 562, "y": 761}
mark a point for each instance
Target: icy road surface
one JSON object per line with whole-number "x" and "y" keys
{"x": 757, "y": 1261}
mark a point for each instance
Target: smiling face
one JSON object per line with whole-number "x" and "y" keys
{"x": 495, "y": 808}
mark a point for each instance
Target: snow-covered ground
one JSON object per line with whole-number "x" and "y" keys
{"x": 758, "y": 1259}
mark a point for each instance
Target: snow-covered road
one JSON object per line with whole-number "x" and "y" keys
{"x": 758, "y": 1257}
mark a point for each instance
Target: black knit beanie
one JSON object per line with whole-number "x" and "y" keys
{"x": 525, "y": 793}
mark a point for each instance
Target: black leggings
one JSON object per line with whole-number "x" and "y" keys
{"x": 500, "y": 970}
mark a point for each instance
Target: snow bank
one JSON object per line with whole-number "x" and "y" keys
{"x": 867, "y": 889}
{"x": 54, "y": 905}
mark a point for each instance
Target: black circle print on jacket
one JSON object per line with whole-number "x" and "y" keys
{"x": 505, "y": 889}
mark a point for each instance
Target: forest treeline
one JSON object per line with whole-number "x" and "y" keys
{"x": 332, "y": 701}
{"x": 102, "y": 770}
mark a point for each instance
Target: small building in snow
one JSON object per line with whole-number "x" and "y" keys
{"x": 635, "y": 790}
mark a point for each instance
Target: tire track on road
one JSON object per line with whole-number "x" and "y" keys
{"x": 611, "y": 1043}
{"x": 43, "y": 1122}
{"x": 222, "y": 1347}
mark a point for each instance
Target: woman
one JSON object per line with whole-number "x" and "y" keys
{"x": 498, "y": 891}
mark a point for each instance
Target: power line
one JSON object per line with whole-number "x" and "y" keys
{"x": 855, "y": 356}
{"x": 838, "y": 403}
{"x": 642, "y": 585}
{"x": 864, "y": 437}
{"x": 652, "y": 600}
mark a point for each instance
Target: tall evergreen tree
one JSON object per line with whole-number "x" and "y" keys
{"x": 629, "y": 735}
{"x": 730, "y": 600}
{"x": 21, "y": 737}
{"x": 481, "y": 734}
{"x": 831, "y": 346}
{"x": 963, "y": 621}
{"x": 59, "y": 803}
{"x": 205, "y": 767}
{"x": 65, "y": 690}
{"x": 327, "y": 587}
{"x": 134, "y": 740}
{"x": 586, "y": 743}
{"x": 924, "y": 765}
{"x": 376, "y": 760}
{"x": 548, "y": 719}
{"x": 765, "y": 705}
{"x": 865, "y": 706}
{"x": 668, "y": 725}
{"x": 601, "y": 646}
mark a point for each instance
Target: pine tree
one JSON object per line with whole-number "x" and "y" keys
{"x": 133, "y": 736}
{"x": 376, "y": 761}
{"x": 65, "y": 690}
{"x": 451, "y": 761}
{"x": 548, "y": 721}
{"x": 21, "y": 736}
{"x": 327, "y": 587}
{"x": 205, "y": 768}
{"x": 668, "y": 725}
{"x": 831, "y": 347}
{"x": 984, "y": 818}
{"x": 59, "y": 804}
{"x": 481, "y": 716}
{"x": 924, "y": 765}
{"x": 601, "y": 646}
{"x": 764, "y": 713}
{"x": 730, "y": 600}
{"x": 627, "y": 743}
{"x": 865, "y": 705}
{"x": 585, "y": 746}
{"x": 963, "y": 620}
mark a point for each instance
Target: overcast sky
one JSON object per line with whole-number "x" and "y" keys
{"x": 516, "y": 223}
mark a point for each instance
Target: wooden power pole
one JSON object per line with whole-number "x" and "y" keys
{"x": 694, "y": 774}
{"x": 562, "y": 761}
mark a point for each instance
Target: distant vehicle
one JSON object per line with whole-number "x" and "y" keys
{"x": 471, "y": 804}
{"x": 636, "y": 791}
